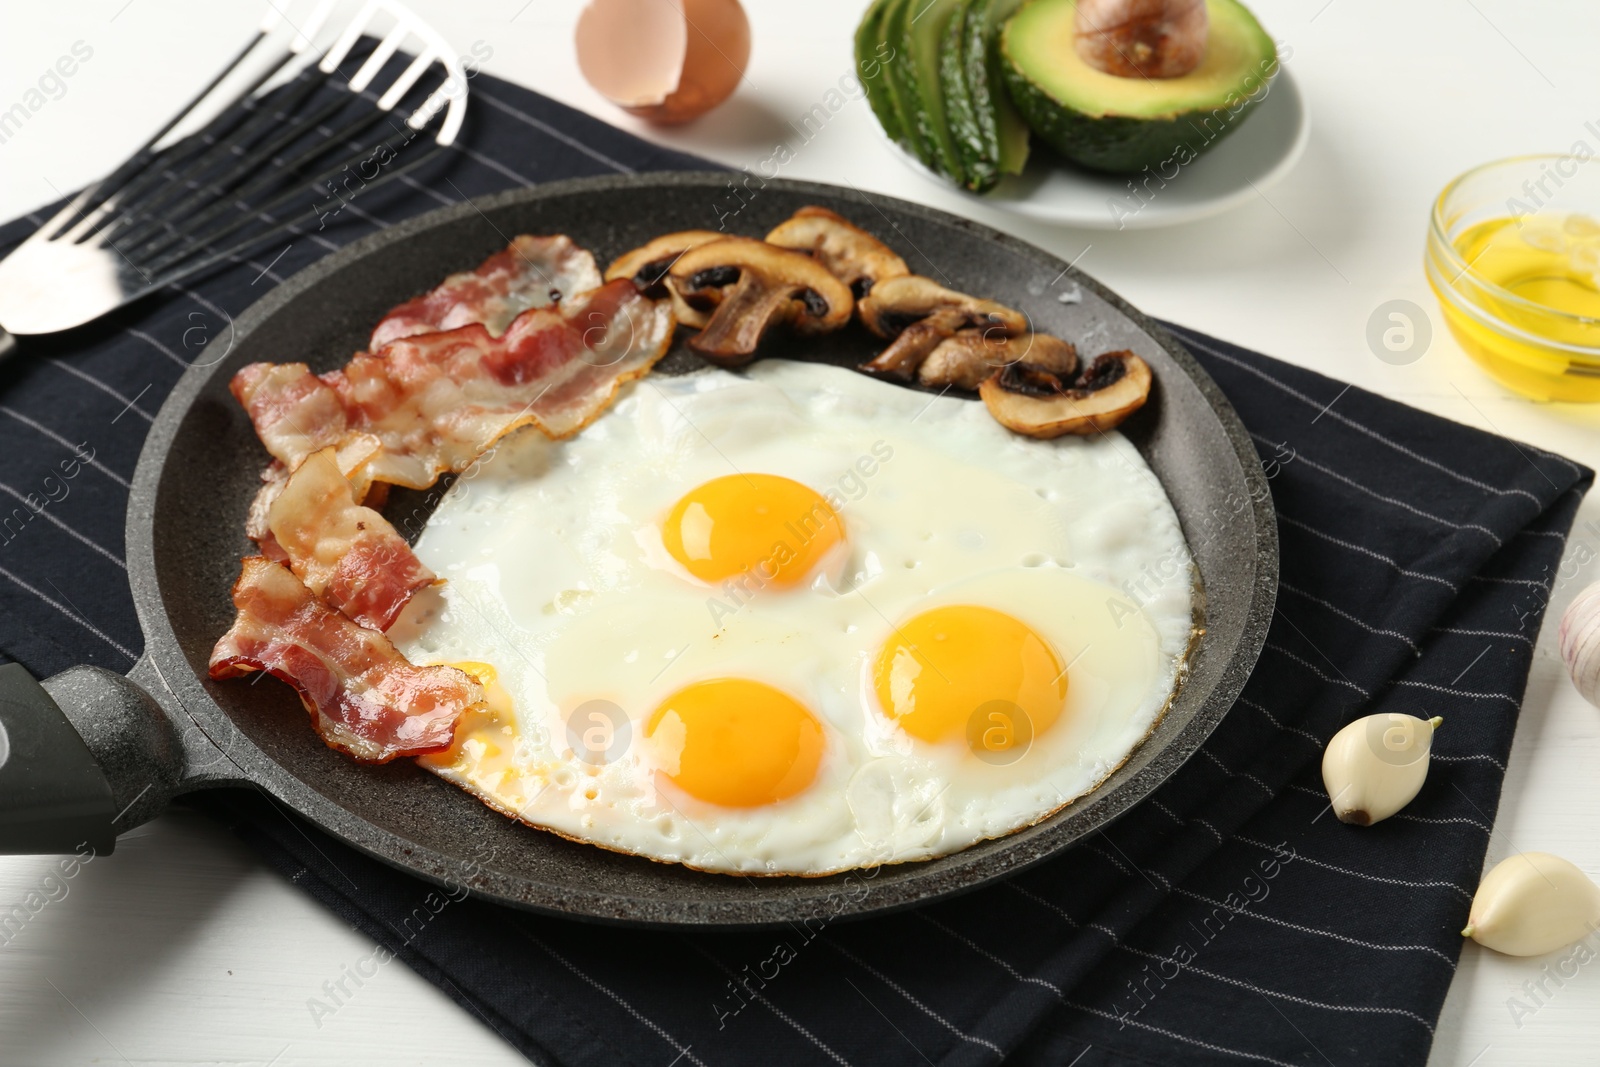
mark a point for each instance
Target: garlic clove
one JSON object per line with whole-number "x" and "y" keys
{"x": 1376, "y": 765}
{"x": 1579, "y": 638}
{"x": 1533, "y": 903}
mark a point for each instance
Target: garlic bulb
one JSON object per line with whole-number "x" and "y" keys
{"x": 1580, "y": 642}
{"x": 1376, "y": 765}
{"x": 1533, "y": 903}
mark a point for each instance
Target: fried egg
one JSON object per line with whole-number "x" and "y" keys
{"x": 795, "y": 620}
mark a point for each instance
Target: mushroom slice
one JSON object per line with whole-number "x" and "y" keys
{"x": 1038, "y": 403}
{"x": 647, "y": 268}
{"x": 852, "y": 254}
{"x": 965, "y": 359}
{"x": 753, "y": 285}
{"x": 919, "y": 313}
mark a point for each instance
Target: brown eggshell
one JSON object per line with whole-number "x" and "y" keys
{"x": 667, "y": 61}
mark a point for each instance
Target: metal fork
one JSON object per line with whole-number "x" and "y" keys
{"x": 182, "y": 204}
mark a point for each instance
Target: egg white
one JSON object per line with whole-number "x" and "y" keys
{"x": 556, "y": 576}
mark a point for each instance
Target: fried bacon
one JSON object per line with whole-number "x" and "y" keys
{"x": 436, "y": 401}
{"x": 530, "y": 337}
{"x": 256, "y": 525}
{"x": 532, "y": 272}
{"x": 347, "y": 554}
{"x": 295, "y": 413}
{"x": 363, "y": 695}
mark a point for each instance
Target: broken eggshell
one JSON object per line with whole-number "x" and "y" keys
{"x": 667, "y": 61}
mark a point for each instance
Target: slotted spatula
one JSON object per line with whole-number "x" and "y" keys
{"x": 298, "y": 133}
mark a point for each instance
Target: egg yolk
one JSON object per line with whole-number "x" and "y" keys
{"x": 764, "y": 524}
{"x": 736, "y": 742}
{"x": 973, "y": 672}
{"x": 483, "y": 673}
{"x": 482, "y": 728}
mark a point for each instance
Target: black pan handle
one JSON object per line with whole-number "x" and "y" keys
{"x": 83, "y": 757}
{"x": 53, "y": 795}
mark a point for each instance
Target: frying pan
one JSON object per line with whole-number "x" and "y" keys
{"x": 92, "y": 753}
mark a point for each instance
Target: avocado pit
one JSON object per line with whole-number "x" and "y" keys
{"x": 1141, "y": 38}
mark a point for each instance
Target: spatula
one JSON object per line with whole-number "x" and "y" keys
{"x": 299, "y": 134}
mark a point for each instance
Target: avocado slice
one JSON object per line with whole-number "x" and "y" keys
{"x": 988, "y": 133}
{"x": 897, "y": 76}
{"x": 921, "y": 25}
{"x": 872, "y": 57}
{"x": 1005, "y": 135}
{"x": 1123, "y": 125}
{"x": 978, "y": 156}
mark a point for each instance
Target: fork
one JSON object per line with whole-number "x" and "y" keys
{"x": 184, "y": 203}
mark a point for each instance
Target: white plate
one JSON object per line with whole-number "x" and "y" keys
{"x": 1249, "y": 160}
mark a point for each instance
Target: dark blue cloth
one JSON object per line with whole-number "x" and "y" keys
{"x": 1229, "y": 919}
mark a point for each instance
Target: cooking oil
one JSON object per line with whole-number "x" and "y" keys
{"x": 1527, "y": 304}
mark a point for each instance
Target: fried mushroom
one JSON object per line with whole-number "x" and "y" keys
{"x": 748, "y": 286}
{"x": 647, "y": 268}
{"x": 966, "y": 359}
{"x": 850, "y": 253}
{"x": 1039, "y": 403}
{"x": 918, "y": 314}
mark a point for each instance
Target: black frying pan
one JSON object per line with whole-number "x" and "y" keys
{"x": 92, "y": 753}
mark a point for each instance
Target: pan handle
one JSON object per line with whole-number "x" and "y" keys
{"x": 83, "y": 757}
{"x": 53, "y": 795}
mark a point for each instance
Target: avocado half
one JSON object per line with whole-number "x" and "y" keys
{"x": 1124, "y": 125}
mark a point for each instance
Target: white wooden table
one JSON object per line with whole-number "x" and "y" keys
{"x": 183, "y": 948}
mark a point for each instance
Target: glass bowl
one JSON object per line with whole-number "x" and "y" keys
{"x": 1514, "y": 258}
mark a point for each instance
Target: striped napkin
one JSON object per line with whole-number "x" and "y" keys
{"x": 1228, "y": 919}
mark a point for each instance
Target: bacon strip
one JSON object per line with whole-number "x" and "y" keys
{"x": 352, "y": 456}
{"x": 295, "y": 413}
{"x": 363, "y": 696}
{"x": 256, "y": 526}
{"x": 449, "y": 373}
{"x": 532, "y": 272}
{"x": 436, "y": 401}
{"x": 347, "y": 554}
